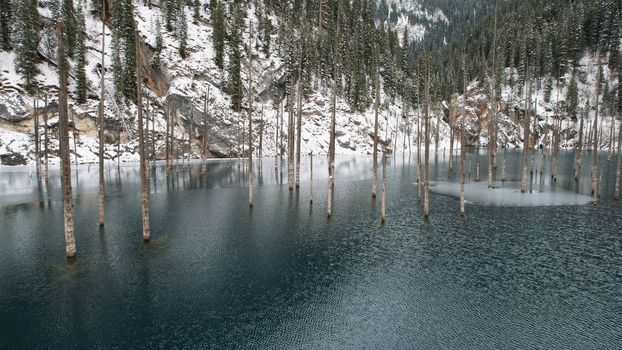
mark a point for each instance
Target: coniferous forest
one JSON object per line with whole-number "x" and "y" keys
{"x": 310, "y": 174}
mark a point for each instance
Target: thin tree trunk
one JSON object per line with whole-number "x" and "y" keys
{"x": 261, "y": 127}
{"x": 102, "y": 190}
{"x": 426, "y": 193}
{"x": 612, "y": 126}
{"x": 205, "y": 131}
{"x": 595, "y": 147}
{"x": 383, "y": 204}
{"x": 579, "y": 149}
{"x": 299, "y": 119}
{"x": 523, "y": 184}
{"x": 311, "y": 178}
{"x": 374, "y": 183}
{"x": 250, "y": 121}
{"x": 331, "y": 149}
{"x": 70, "y": 243}
{"x": 616, "y": 194}
{"x": 144, "y": 177}
{"x": 462, "y": 154}
{"x": 45, "y": 130}
{"x": 290, "y": 140}
{"x": 168, "y": 138}
{"x": 37, "y": 142}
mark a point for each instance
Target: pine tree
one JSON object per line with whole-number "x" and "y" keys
{"x": 6, "y": 17}
{"x": 25, "y": 41}
{"x": 235, "y": 60}
{"x": 218, "y": 22}
{"x": 183, "y": 33}
{"x": 196, "y": 15}
{"x": 71, "y": 26}
{"x": 81, "y": 89}
{"x": 158, "y": 44}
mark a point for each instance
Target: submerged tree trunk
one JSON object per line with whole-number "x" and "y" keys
{"x": 616, "y": 194}
{"x": 168, "y": 138}
{"x": 37, "y": 142}
{"x": 383, "y": 204}
{"x": 70, "y": 243}
{"x": 45, "y": 131}
{"x": 250, "y": 122}
{"x": 426, "y": 193}
{"x": 205, "y": 131}
{"x": 579, "y": 149}
{"x": 523, "y": 184}
{"x": 331, "y": 149}
{"x": 298, "y": 133}
{"x": 462, "y": 154}
{"x": 101, "y": 122}
{"x": 595, "y": 138}
{"x": 144, "y": 177}
{"x": 290, "y": 140}
{"x": 311, "y": 178}
{"x": 374, "y": 183}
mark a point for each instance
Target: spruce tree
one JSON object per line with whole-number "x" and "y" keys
{"x": 572, "y": 98}
{"x": 235, "y": 41}
{"x": 183, "y": 33}
{"x": 71, "y": 26}
{"x": 25, "y": 41}
{"x": 218, "y": 22}
{"x": 81, "y": 89}
{"x": 6, "y": 16}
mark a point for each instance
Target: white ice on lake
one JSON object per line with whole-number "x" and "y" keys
{"x": 508, "y": 194}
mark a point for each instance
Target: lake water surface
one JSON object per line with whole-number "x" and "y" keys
{"x": 280, "y": 276}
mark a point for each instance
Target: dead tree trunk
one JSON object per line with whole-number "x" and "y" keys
{"x": 383, "y": 204}
{"x": 331, "y": 149}
{"x": 616, "y": 194}
{"x": 102, "y": 190}
{"x": 205, "y": 131}
{"x": 37, "y": 142}
{"x": 144, "y": 177}
{"x": 45, "y": 131}
{"x": 311, "y": 178}
{"x": 462, "y": 156}
{"x": 299, "y": 119}
{"x": 374, "y": 183}
{"x": 426, "y": 159}
{"x": 595, "y": 138}
{"x": 70, "y": 243}
{"x": 261, "y": 128}
{"x": 168, "y": 138}
{"x": 523, "y": 184}
{"x": 579, "y": 148}
{"x": 290, "y": 140}
{"x": 250, "y": 121}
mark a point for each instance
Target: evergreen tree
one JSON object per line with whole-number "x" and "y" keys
{"x": 71, "y": 26}
{"x": 236, "y": 25}
{"x": 124, "y": 49}
{"x": 25, "y": 41}
{"x": 81, "y": 89}
{"x": 6, "y": 16}
{"x": 158, "y": 44}
{"x": 196, "y": 8}
{"x": 218, "y": 37}
{"x": 183, "y": 33}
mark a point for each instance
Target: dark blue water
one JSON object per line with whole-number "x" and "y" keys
{"x": 218, "y": 275}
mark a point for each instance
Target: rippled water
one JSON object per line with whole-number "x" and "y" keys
{"x": 218, "y": 275}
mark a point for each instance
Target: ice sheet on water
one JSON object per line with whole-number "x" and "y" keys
{"x": 508, "y": 194}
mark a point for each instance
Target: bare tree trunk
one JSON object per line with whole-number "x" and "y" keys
{"x": 311, "y": 178}
{"x": 556, "y": 136}
{"x": 331, "y": 149}
{"x": 477, "y": 172}
{"x": 462, "y": 153}
{"x": 616, "y": 194}
{"x": 492, "y": 163}
{"x": 579, "y": 149}
{"x": 436, "y": 137}
{"x": 282, "y": 109}
{"x": 261, "y": 127}
{"x": 612, "y": 126}
{"x": 250, "y": 120}
{"x": 595, "y": 147}
{"x": 374, "y": 183}
{"x": 205, "y": 131}
{"x": 45, "y": 130}
{"x": 299, "y": 119}
{"x": 144, "y": 177}
{"x": 101, "y": 121}
{"x": 426, "y": 159}
{"x": 523, "y": 184}
{"x": 451, "y": 136}
{"x": 290, "y": 140}
{"x": 37, "y": 142}
{"x": 70, "y": 243}
{"x": 168, "y": 138}
{"x": 383, "y": 204}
